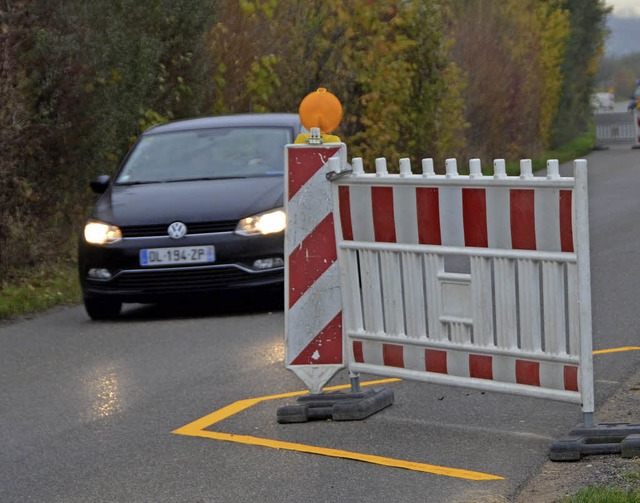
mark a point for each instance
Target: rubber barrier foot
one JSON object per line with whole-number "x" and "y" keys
{"x": 602, "y": 438}
{"x": 337, "y": 406}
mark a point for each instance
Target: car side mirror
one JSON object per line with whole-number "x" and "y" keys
{"x": 100, "y": 184}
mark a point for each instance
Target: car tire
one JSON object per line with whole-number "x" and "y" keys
{"x": 102, "y": 309}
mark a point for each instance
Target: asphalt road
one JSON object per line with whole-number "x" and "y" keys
{"x": 104, "y": 411}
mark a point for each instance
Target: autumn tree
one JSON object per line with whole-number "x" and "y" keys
{"x": 79, "y": 80}
{"x": 15, "y": 190}
{"x": 387, "y": 63}
{"x": 584, "y": 49}
{"x": 619, "y": 73}
{"x": 85, "y": 78}
{"x": 511, "y": 52}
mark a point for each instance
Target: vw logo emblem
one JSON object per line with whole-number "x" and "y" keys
{"x": 177, "y": 230}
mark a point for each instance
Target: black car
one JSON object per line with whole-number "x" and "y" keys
{"x": 195, "y": 208}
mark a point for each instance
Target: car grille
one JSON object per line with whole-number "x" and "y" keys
{"x": 143, "y": 231}
{"x": 184, "y": 280}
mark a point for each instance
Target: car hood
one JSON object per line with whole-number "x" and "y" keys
{"x": 191, "y": 201}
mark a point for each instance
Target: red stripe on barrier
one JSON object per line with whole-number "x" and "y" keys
{"x": 566, "y": 222}
{"x": 325, "y": 348}
{"x": 481, "y": 366}
{"x": 474, "y": 215}
{"x": 344, "y": 200}
{"x": 435, "y": 361}
{"x": 523, "y": 220}
{"x": 384, "y": 226}
{"x": 304, "y": 163}
{"x": 393, "y": 355}
{"x": 571, "y": 378}
{"x": 358, "y": 355}
{"x": 428, "y": 207}
{"x": 311, "y": 258}
{"x": 528, "y": 372}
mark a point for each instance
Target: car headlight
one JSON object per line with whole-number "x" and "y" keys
{"x": 99, "y": 233}
{"x": 269, "y": 222}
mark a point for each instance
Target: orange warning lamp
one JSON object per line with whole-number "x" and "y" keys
{"x": 322, "y": 110}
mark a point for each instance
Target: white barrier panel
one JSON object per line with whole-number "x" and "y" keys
{"x": 615, "y": 129}
{"x": 313, "y": 305}
{"x": 475, "y": 281}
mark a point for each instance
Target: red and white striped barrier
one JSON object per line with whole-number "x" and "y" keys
{"x": 313, "y": 304}
{"x": 487, "y": 212}
{"x": 476, "y": 281}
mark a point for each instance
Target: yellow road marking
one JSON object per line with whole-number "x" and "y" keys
{"x": 197, "y": 429}
{"x": 240, "y": 405}
{"x": 616, "y": 350}
{"x": 337, "y": 453}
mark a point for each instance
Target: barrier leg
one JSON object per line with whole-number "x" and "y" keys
{"x": 587, "y": 419}
{"x": 354, "y": 377}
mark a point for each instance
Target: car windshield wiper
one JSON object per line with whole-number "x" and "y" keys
{"x": 207, "y": 178}
{"x": 146, "y": 182}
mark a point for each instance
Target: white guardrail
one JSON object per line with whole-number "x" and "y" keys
{"x": 620, "y": 128}
{"x": 466, "y": 280}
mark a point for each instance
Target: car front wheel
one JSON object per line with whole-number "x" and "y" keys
{"x": 102, "y": 309}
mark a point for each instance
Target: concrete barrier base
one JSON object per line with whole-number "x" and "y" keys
{"x": 602, "y": 438}
{"x": 337, "y": 406}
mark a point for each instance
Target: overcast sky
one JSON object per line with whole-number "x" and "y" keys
{"x": 625, "y": 7}
{"x": 624, "y": 26}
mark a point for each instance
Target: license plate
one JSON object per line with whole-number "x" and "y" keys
{"x": 177, "y": 255}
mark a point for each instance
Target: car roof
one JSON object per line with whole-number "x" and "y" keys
{"x": 239, "y": 120}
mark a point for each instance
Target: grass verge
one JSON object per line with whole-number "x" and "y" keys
{"x": 40, "y": 289}
{"x": 602, "y": 494}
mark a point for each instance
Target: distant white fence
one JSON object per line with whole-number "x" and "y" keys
{"x": 617, "y": 129}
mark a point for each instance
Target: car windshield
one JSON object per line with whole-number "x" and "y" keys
{"x": 234, "y": 152}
